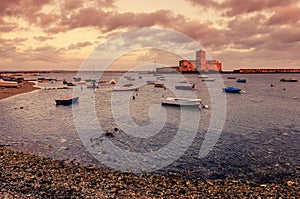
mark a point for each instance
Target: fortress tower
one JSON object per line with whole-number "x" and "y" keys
{"x": 201, "y": 60}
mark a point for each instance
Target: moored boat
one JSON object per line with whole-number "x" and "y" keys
{"x": 159, "y": 84}
{"x": 128, "y": 88}
{"x": 185, "y": 87}
{"x": 202, "y": 76}
{"x": 184, "y": 102}
{"x": 127, "y": 85}
{"x": 209, "y": 79}
{"x": 290, "y": 79}
{"x": 232, "y": 90}
{"x": 241, "y": 80}
{"x": 150, "y": 82}
{"x": 66, "y": 101}
{"x": 231, "y": 77}
{"x": 10, "y": 84}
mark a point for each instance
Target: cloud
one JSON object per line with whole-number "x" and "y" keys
{"x": 19, "y": 8}
{"x": 238, "y": 7}
{"x": 205, "y": 3}
{"x": 46, "y": 19}
{"x": 284, "y": 15}
{"x": 287, "y": 35}
{"x": 86, "y": 17}
{"x": 79, "y": 45}
{"x": 163, "y": 18}
{"x": 58, "y": 29}
{"x": 42, "y": 38}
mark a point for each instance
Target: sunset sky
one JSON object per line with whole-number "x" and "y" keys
{"x": 55, "y": 34}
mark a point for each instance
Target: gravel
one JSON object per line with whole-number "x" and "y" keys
{"x": 28, "y": 176}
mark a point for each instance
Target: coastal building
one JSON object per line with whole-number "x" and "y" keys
{"x": 200, "y": 64}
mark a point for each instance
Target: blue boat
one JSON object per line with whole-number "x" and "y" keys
{"x": 241, "y": 80}
{"x": 232, "y": 90}
{"x": 66, "y": 101}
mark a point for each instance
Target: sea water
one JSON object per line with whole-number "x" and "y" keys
{"x": 254, "y": 135}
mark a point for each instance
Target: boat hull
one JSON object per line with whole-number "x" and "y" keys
{"x": 183, "y": 88}
{"x": 181, "y": 102}
{"x": 133, "y": 88}
{"x": 241, "y": 80}
{"x": 231, "y": 90}
{"x": 289, "y": 80}
{"x": 67, "y": 101}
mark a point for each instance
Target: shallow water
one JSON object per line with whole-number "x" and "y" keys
{"x": 259, "y": 140}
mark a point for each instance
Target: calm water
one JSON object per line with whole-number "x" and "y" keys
{"x": 259, "y": 140}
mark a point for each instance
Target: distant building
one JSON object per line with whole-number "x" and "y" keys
{"x": 200, "y": 64}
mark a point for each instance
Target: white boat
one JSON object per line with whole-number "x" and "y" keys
{"x": 209, "y": 79}
{"x": 10, "y": 84}
{"x": 126, "y": 88}
{"x": 181, "y": 102}
{"x": 202, "y": 76}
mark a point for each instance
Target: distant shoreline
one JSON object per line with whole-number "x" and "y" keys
{"x": 238, "y": 71}
{"x": 25, "y": 87}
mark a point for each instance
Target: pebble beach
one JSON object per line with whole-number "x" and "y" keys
{"x": 24, "y": 175}
{"x": 28, "y": 176}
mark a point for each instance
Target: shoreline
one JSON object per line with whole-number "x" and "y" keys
{"x": 29, "y": 176}
{"x": 25, "y": 86}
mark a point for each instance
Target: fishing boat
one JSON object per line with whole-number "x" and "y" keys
{"x": 92, "y": 85}
{"x": 185, "y": 87}
{"x": 232, "y": 90}
{"x": 241, "y": 80}
{"x": 209, "y": 79}
{"x": 10, "y": 84}
{"x": 183, "y": 82}
{"x": 150, "y": 82}
{"x": 159, "y": 84}
{"x": 126, "y": 88}
{"x": 77, "y": 79}
{"x": 127, "y": 85}
{"x": 202, "y": 76}
{"x": 185, "y": 102}
{"x": 66, "y": 101}
{"x": 291, "y": 79}
{"x": 71, "y": 84}
{"x": 231, "y": 77}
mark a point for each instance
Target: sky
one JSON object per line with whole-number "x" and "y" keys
{"x": 125, "y": 34}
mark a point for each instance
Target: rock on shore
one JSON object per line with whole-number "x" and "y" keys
{"x": 28, "y": 176}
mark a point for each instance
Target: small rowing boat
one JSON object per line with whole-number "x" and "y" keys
{"x": 126, "y": 88}
{"x": 291, "y": 79}
{"x": 241, "y": 80}
{"x": 232, "y": 90}
{"x": 66, "y": 101}
{"x": 185, "y": 87}
{"x": 186, "y": 102}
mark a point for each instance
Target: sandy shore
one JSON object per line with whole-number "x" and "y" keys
{"x": 25, "y": 86}
{"x": 28, "y": 176}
